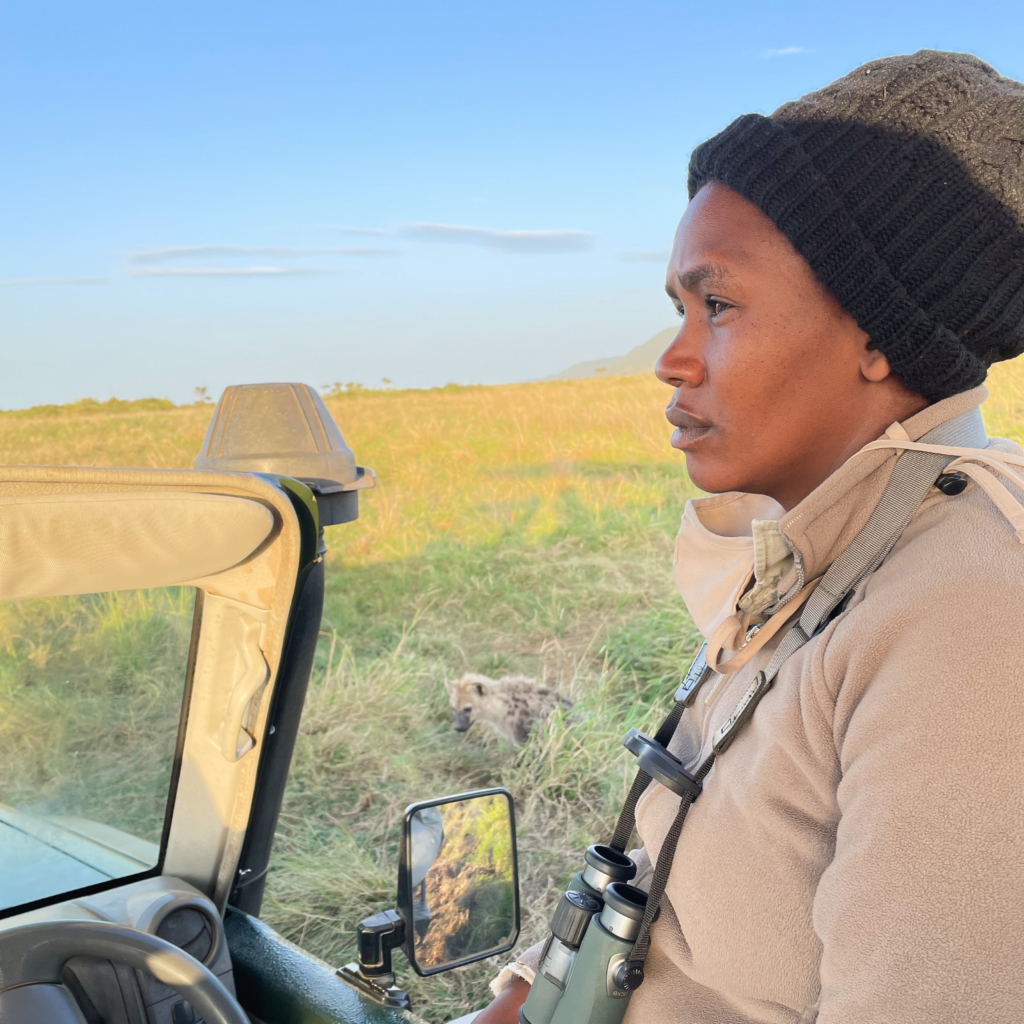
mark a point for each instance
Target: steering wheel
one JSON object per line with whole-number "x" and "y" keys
{"x": 32, "y": 957}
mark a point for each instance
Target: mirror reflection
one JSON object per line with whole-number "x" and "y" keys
{"x": 462, "y": 875}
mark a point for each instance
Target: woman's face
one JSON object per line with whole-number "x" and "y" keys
{"x": 775, "y": 384}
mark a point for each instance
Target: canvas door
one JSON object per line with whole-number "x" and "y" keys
{"x": 142, "y": 620}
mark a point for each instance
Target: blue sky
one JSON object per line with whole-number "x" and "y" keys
{"x": 212, "y": 193}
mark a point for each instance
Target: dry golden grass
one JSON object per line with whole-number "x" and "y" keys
{"x": 462, "y": 462}
{"x": 468, "y": 462}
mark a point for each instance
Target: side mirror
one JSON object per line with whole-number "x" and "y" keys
{"x": 458, "y": 881}
{"x": 458, "y": 893}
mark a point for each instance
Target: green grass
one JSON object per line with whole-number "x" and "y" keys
{"x": 600, "y": 623}
{"x": 90, "y": 696}
{"x": 525, "y": 528}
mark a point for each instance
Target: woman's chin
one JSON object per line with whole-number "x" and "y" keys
{"x": 711, "y": 476}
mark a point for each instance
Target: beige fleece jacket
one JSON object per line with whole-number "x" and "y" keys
{"x": 857, "y": 854}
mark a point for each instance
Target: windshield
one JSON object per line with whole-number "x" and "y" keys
{"x": 91, "y": 690}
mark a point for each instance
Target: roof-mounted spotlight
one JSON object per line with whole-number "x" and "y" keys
{"x": 286, "y": 429}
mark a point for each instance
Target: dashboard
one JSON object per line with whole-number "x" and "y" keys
{"x": 171, "y": 909}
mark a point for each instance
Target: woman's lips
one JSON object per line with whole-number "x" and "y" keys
{"x": 689, "y": 428}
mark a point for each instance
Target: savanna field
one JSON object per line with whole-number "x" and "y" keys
{"x": 522, "y": 528}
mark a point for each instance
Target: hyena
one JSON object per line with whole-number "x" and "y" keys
{"x": 510, "y": 706}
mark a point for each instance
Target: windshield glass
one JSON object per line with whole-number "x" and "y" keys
{"x": 91, "y": 690}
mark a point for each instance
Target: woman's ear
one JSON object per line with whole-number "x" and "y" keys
{"x": 874, "y": 366}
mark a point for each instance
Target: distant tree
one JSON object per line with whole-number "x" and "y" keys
{"x": 338, "y": 388}
{"x": 385, "y": 382}
{"x": 201, "y": 395}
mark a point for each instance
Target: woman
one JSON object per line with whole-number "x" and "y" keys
{"x": 847, "y": 270}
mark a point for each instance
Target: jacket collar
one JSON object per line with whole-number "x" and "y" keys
{"x": 827, "y": 520}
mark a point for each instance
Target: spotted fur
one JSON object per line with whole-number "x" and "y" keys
{"x": 510, "y": 706}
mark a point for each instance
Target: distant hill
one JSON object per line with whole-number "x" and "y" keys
{"x": 637, "y": 360}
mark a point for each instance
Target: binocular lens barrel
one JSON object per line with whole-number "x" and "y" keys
{"x": 568, "y": 927}
{"x": 593, "y": 992}
{"x": 575, "y": 981}
{"x": 557, "y": 963}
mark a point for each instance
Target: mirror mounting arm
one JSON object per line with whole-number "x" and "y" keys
{"x": 373, "y": 974}
{"x": 376, "y": 937}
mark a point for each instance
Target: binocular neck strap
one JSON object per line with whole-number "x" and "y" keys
{"x": 664, "y": 865}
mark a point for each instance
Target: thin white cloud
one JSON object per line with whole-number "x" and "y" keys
{"x": 562, "y": 240}
{"x": 645, "y": 256}
{"x": 346, "y": 230}
{"x": 171, "y": 253}
{"x": 232, "y": 272}
{"x": 14, "y": 282}
{"x": 786, "y": 51}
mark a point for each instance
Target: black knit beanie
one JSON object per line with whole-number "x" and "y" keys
{"x": 902, "y": 185}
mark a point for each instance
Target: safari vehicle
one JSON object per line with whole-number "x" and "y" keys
{"x": 158, "y": 629}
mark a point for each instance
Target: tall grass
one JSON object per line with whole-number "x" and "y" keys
{"x": 521, "y": 528}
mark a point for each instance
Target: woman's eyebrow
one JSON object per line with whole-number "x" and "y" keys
{"x": 689, "y": 279}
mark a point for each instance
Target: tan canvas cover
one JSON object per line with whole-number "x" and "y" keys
{"x": 57, "y": 544}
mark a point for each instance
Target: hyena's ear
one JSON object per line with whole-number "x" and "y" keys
{"x": 449, "y": 686}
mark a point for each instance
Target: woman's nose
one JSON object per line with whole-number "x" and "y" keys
{"x": 681, "y": 365}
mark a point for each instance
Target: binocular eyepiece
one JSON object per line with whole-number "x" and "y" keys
{"x": 624, "y": 907}
{"x": 604, "y": 866}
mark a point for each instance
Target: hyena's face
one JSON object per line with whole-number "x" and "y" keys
{"x": 465, "y": 699}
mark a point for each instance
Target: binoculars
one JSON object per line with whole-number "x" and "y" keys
{"x": 584, "y": 976}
